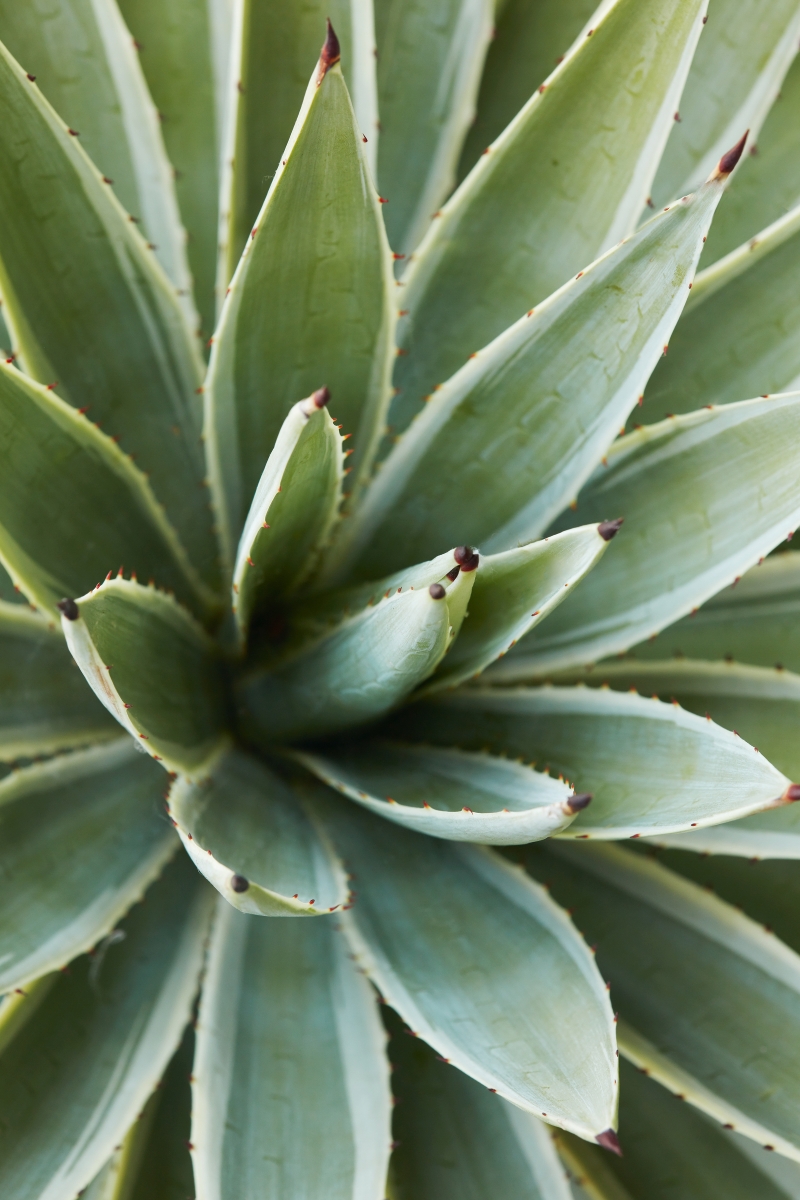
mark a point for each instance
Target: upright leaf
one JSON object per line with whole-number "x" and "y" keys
{"x": 82, "y": 57}
{"x": 99, "y": 1042}
{"x": 736, "y": 74}
{"x": 564, "y": 182}
{"x": 82, "y": 837}
{"x": 448, "y": 793}
{"x": 152, "y": 667}
{"x": 739, "y": 334}
{"x": 73, "y": 506}
{"x": 165, "y": 1168}
{"x": 44, "y": 703}
{"x": 529, "y": 40}
{"x": 708, "y": 1000}
{"x": 292, "y": 512}
{"x": 354, "y": 674}
{"x": 430, "y": 56}
{"x": 704, "y": 496}
{"x": 310, "y": 303}
{"x": 470, "y": 955}
{"x": 650, "y": 767}
{"x": 455, "y": 1139}
{"x": 275, "y": 48}
{"x": 248, "y": 834}
{"x": 505, "y": 444}
{"x": 175, "y": 40}
{"x": 288, "y": 1041}
{"x": 90, "y": 307}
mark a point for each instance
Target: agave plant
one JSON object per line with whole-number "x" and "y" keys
{"x": 344, "y": 672}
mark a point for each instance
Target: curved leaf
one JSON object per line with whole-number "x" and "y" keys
{"x": 430, "y": 55}
{"x": 293, "y": 510}
{"x": 736, "y": 74}
{"x": 448, "y": 793}
{"x": 246, "y": 832}
{"x": 708, "y": 1000}
{"x": 44, "y": 703}
{"x": 515, "y": 590}
{"x": 310, "y": 304}
{"x": 739, "y": 332}
{"x": 174, "y": 40}
{"x": 470, "y": 954}
{"x": 81, "y": 838}
{"x": 704, "y": 496}
{"x": 152, "y": 667}
{"x": 276, "y": 46}
{"x": 564, "y": 182}
{"x": 493, "y": 459}
{"x": 528, "y": 41}
{"x": 165, "y": 1169}
{"x": 354, "y": 674}
{"x": 288, "y": 1041}
{"x": 454, "y": 1139}
{"x": 98, "y": 1043}
{"x": 72, "y": 504}
{"x": 89, "y": 307}
{"x": 650, "y": 767}
{"x": 84, "y": 60}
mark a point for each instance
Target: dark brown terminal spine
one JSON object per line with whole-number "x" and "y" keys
{"x": 609, "y": 1141}
{"x": 579, "y": 801}
{"x": 610, "y": 529}
{"x": 329, "y": 55}
{"x": 729, "y": 160}
{"x": 68, "y": 608}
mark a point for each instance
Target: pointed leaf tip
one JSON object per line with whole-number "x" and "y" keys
{"x": 729, "y": 160}
{"x": 321, "y": 397}
{"x": 610, "y": 529}
{"x": 579, "y": 801}
{"x": 437, "y": 591}
{"x": 609, "y": 1141}
{"x": 329, "y": 55}
{"x": 68, "y": 608}
{"x": 466, "y": 557}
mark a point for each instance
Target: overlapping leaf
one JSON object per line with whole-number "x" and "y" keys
{"x": 288, "y": 1040}
{"x": 566, "y": 180}
{"x": 505, "y": 444}
{"x": 248, "y": 834}
{"x": 152, "y": 667}
{"x": 705, "y": 496}
{"x": 98, "y": 1043}
{"x": 470, "y": 955}
{"x": 448, "y": 793}
{"x": 650, "y": 767}
{"x": 310, "y": 304}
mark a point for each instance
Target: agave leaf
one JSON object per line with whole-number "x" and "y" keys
{"x": 470, "y": 954}
{"x": 293, "y": 510}
{"x": 354, "y": 674}
{"x": 73, "y": 504}
{"x": 736, "y": 75}
{"x": 705, "y": 496}
{"x": 165, "y": 1167}
{"x": 430, "y": 56}
{"x": 529, "y": 40}
{"x": 108, "y": 325}
{"x": 670, "y": 1149}
{"x": 82, "y": 837}
{"x": 17, "y": 1008}
{"x": 589, "y": 1170}
{"x": 83, "y": 59}
{"x": 515, "y": 590}
{"x": 98, "y": 1043}
{"x": 774, "y": 834}
{"x": 650, "y": 767}
{"x": 246, "y": 832}
{"x": 276, "y": 46}
{"x": 708, "y": 999}
{"x": 738, "y": 335}
{"x": 44, "y": 704}
{"x": 118, "y": 1176}
{"x": 564, "y": 182}
{"x": 448, "y": 793}
{"x": 175, "y": 40}
{"x": 152, "y": 667}
{"x": 311, "y": 303}
{"x": 454, "y": 1139}
{"x": 288, "y": 1040}
{"x": 505, "y": 444}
